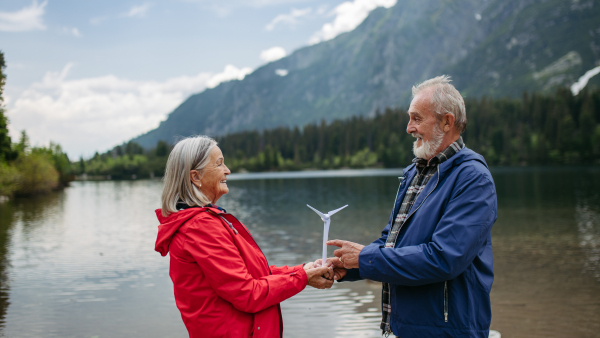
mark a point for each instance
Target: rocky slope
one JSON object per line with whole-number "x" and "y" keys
{"x": 493, "y": 47}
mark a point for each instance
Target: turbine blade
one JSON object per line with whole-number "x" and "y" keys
{"x": 336, "y": 210}
{"x": 317, "y": 211}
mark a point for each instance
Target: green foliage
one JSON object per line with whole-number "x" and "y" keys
{"x": 9, "y": 179}
{"x": 60, "y": 161}
{"x": 6, "y": 152}
{"x": 128, "y": 161}
{"x": 35, "y": 171}
{"x": 37, "y": 174}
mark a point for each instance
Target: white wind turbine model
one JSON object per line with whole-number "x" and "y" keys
{"x": 327, "y": 220}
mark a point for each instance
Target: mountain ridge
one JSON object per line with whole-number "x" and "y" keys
{"x": 490, "y": 48}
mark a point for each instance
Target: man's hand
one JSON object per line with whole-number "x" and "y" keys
{"x": 339, "y": 271}
{"x": 348, "y": 252}
{"x": 320, "y": 277}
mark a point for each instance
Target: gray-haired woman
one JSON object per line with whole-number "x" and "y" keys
{"x": 223, "y": 284}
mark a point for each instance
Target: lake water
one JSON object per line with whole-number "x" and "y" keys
{"x": 81, "y": 262}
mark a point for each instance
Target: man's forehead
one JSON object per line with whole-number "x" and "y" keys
{"x": 420, "y": 103}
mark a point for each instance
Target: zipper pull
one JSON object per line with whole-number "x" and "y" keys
{"x": 446, "y": 301}
{"x": 230, "y": 225}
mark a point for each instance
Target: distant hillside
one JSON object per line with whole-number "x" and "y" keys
{"x": 495, "y": 48}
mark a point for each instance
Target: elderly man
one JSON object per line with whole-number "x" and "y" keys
{"x": 434, "y": 257}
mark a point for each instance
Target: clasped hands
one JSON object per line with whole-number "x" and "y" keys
{"x": 321, "y": 276}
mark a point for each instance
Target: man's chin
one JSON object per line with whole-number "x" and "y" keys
{"x": 420, "y": 152}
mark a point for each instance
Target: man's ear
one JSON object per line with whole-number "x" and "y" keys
{"x": 448, "y": 122}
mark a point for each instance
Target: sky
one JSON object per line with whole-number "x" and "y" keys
{"x": 90, "y": 75}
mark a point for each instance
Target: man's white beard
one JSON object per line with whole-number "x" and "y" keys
{"x": 428, "y": 149}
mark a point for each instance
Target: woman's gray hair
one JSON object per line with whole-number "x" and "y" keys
{"x": 189, "y": 154}
{"x": 445, "y": 99}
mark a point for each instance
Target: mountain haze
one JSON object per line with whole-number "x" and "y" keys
{"x": 494, "y": 48}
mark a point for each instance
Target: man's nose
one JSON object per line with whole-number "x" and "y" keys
{"x": 410, "y": 128}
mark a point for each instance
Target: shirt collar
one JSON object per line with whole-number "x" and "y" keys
{"x": 445, "y": 154}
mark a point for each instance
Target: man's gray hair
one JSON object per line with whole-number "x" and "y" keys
{"x": 192, "y": 153}
{"x": 445, "y": 99}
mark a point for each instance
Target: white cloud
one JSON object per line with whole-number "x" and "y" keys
{"x": 291, "y": 18}
{"x": 281, "y": 72}
{"x": 272, "y": 54}
{"x": 98, "y": 20}
{"x": 138, "y": 11}
{"x": 90, "y": 114}
{"x": 229, "y": 73}
{"x": 72, "y": 31}
{"x": 348, "y": 15}
{"x": 26, "y": 19}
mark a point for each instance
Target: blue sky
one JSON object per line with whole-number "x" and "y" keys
{"x": 92, "y": 74}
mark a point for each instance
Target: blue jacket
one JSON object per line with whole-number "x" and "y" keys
{"x": 440, "y": 270}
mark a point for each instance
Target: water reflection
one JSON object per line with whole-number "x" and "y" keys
{"x": 28, "y": 214}
{"x": 588, "y": 224}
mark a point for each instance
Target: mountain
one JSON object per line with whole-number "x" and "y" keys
{"x": 490, "y": 47}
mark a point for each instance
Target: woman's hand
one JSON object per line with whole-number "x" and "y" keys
{"x": 309, "y": 265}
{"x": 320, "y": 277}
{"x": 339, "y": 271}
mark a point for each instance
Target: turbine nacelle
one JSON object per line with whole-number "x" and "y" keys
{"x": 326, "y": 217}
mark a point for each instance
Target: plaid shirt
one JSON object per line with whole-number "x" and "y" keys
{"x": 426, "y": 170}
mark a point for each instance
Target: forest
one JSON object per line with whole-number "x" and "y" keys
{"x": 537, "y": 129}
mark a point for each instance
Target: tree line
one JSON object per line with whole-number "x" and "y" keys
{"x": 26, "y": 170}
{"x": 538, "y": 129}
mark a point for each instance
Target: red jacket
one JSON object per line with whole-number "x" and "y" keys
{"x": 223, "y": 284}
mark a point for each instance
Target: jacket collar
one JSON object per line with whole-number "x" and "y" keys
{"x": 214, "y": 208}
{"x": 460, "y": 157}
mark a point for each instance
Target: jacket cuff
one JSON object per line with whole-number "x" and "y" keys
{"x": 300, "y": 273}
{"x": 366, "y": 260}
{"x": 352, "y": 275}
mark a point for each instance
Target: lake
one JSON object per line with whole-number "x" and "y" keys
{"x": 81, "y": 262}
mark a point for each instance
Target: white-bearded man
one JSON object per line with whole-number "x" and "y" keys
{"x": 434, "y": 257}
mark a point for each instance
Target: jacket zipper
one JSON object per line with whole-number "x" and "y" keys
{"x": 250, "y": 235}
{"x": 436, "y": 184}
{"x": 268, "y": 267}
{"x": 231, "y": 226}
{"x": 446, "y": 301}
{"x": 446, "y": 282}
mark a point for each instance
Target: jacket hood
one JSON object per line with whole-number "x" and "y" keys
{"x": 170, "y": 224}
{"x": 465, "y": 155}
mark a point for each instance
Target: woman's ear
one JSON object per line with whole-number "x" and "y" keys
{"x": 196, "y": 178}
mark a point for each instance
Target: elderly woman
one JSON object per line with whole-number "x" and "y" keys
{"x": 223, "y": 284}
